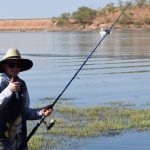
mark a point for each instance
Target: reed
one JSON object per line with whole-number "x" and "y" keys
{"x": 90, "y": 122}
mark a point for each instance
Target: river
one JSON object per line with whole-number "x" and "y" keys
{"x": 119, "y": 71}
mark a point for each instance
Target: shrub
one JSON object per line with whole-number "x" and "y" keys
{"x": 125, "y": 20}
{"x": 84, "y": 15}
{"x": 147, "y": 20}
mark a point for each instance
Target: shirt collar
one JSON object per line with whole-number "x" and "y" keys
{"x": 6, "y": 77}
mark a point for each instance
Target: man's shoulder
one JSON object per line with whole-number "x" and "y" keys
{"x": 2, "y": 77}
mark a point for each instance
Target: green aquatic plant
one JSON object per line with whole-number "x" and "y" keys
{"x": 76, "y": 122}
{"x": 40, "y": 142}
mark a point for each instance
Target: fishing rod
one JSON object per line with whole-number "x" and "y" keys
{"x": 51, "y": 106}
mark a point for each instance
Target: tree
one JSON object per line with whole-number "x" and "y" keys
{"x": 84, "y": 15}
{"x": 110, "y": 7}
{"x": 121, "y": 3}
{"x": 149, "y": 4}
{"x": 140, "y": 3}
{"x": 65, "y": 15}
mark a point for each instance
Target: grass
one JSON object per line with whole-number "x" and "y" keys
{"x": 75, "y": 122}
{"x": 39, "y": 142}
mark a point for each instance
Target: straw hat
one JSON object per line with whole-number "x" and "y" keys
{"x": 13, "y": 54}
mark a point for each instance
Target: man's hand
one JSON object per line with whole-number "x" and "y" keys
{"x": 13, "y": 85}
{"x": 46, "y": 112}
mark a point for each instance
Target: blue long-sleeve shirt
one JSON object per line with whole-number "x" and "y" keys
{"x": 6, "y": 96}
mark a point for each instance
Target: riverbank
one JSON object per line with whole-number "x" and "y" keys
{"x": 33, "y": 25}
{"x": 133, "y": 18}
{"x": 46, "y": 25}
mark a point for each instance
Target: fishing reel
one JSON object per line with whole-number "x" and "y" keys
{"x": 50, "y": 125}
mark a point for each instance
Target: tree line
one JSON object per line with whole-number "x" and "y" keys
{"x": 85, "y": 15}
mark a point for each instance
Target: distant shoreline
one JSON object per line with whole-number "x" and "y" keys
{"x": 135, "y": 17}
{"x": 47, "y": 25}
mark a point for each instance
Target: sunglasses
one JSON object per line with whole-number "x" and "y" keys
{"x": 13, "y": 65}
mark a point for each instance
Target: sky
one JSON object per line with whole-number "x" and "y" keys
{"x": 26, "y": 9}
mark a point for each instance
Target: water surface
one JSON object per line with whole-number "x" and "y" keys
{"x": 119, "y": 70}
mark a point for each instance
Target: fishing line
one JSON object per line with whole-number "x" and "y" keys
{"x": 53, "y": 104}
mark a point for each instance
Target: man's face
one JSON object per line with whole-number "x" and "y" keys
{"x": 12, "y": 68}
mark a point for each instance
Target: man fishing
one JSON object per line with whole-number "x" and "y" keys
{"x": 14, "y": 101}
{"x": 70, "y": 81}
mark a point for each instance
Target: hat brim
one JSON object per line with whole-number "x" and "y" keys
{"x": 26, "y": 64}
